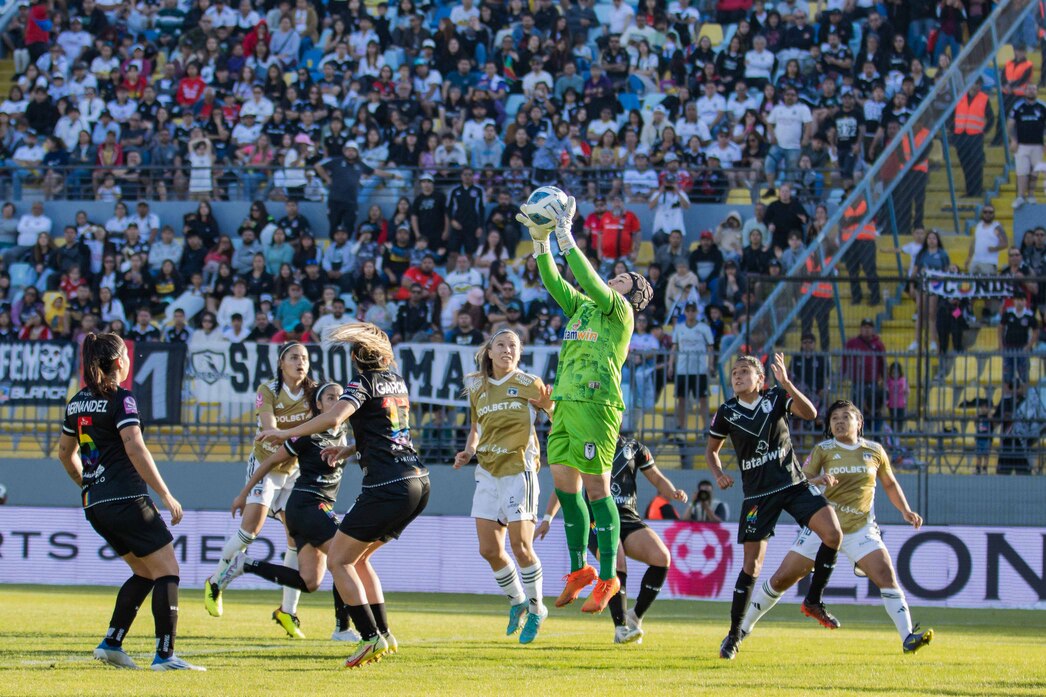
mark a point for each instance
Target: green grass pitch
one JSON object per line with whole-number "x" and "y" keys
{"x": 455, "y": 645}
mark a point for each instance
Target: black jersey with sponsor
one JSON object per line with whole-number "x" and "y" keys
{"x": 381, "y": 426}
{"x": 630, "y": 458}
{"x": 759, "y": 434}
{"x": 314, "y": 475}
{"x": 96, "y": 422}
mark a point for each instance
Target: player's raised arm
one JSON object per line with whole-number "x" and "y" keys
{"x": 565, "y": 296}
{"x": 801, "y": 404}
{"x": 586, "y": 276}
{"x": 328, "y": 420}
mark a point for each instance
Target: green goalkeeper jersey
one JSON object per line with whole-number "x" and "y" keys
{"x": 596, "y": 336}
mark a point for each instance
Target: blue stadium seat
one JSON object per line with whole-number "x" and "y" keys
{"x": 602, "y": 13}
{"x": 513, "y": 103}
{"x": 21, "y": 275}
{"x": 628, "y": 101}
{"x": 310, "y": 60}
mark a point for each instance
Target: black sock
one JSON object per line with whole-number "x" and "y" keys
{"x": 363, "y": 619}
{"x": 617, "y": 603}
{"x": 653, "y": 579}
{"x": 277, "y": 573}
{"x": 381, "y": 620}
{"x": 341, "y": 611}
{"x": 742, "y": 593}
{"x": 131, "y": 596}
{"x": 824, "y": 563}
{"x": 165, "y": 614}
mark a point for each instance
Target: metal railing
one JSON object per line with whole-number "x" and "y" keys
{"x": 933, "y": 429}
{"x": 876, "y": 194}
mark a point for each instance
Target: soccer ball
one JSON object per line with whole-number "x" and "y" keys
{"x": 544, "y": 205}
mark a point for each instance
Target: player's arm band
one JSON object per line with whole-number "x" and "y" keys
{"x": 548, "y": 518}
{"x": 541, "y": 247}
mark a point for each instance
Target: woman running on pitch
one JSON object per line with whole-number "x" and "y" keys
{"x": 310, "y": 517}
{"x": 395, "y": 484}
{"x": 638, "y": 540}
{"x": 856, "y": 464}
{"x": 588, "y": 400}
{"x": 280, "y": 403}
{"x": 503, "y": 402}
{"x": 103, "y": 451}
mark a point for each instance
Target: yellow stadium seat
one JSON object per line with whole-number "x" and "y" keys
{"x": 713, "y": 31}
{"x": 1004, "y": 55}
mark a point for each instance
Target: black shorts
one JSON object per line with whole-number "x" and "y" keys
{"x": 691, "y": 386}
{"x": 310, "y": 519}
{"x": 384, "y": 512}
{"x": 130, "y": 526}
{"x": 759, "y": 515}
{"x": 629, "y": 525}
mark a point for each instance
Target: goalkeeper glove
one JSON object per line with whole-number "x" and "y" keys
{"x": 538, "y": 234}
{"x": 565, "y": 225}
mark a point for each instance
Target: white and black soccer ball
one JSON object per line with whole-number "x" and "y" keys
{"x": 544, "y": 205}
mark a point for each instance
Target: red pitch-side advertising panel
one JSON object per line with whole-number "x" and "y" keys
{"x": 943, "y": 566}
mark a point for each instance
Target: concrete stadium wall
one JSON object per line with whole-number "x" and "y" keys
{"x": 950, "y": 499}
{"x": 230, "y": 214}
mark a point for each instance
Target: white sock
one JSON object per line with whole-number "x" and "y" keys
{"x": 532, "y": 583}
{"x": 897, "y": 608}
{"x": 763, "y": 598}
{"x": 233, "y": 546}
{"x": 509, "y": 582}
{"x": 290, "y": 595}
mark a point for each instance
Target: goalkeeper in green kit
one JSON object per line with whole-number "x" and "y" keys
{"x": 587, "y": 392}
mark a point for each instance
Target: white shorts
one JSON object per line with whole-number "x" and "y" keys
{"x": 1027, "y": 158}
{"x": 856, "y": 545}
{"x": 505, "y": 499}
{"x": 273, "y": 490}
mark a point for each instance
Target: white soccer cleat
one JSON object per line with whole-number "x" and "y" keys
{"x": 350, "y": 635}
{"x": 1018, "y": 202}
{"x": 234, "y": 570}
{"x": 627, "y": 635}
{"x": 174, "y": 663}
{"x": 633, "y": 621}
{"x": 114, "y": 656}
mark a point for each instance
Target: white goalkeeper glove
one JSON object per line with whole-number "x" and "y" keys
{"x": 565, "y": 226}
{"x": 537, "y": 234}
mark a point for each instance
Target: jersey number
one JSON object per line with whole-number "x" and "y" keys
{"x": 398, "y": 409}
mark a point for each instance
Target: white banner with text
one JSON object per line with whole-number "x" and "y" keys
{"x": 937, "y": 566}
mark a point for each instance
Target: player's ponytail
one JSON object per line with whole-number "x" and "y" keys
{"x": 100, "y": 352}
{"x": 371, "y": 348}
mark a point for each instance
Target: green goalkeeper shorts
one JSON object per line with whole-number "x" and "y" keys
{"x": 584, "y": 436}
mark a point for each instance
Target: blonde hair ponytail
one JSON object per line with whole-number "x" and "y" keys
{"x": 371, "y": 348}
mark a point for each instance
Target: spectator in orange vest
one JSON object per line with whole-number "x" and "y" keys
{"x": 661, "y": 509}
{"x": 861, "y": 254}
{"x": 1017, "y": 73}
{"x": 973, "y": 117}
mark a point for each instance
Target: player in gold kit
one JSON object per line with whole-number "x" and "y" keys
{"x": 856, "y": 464}
{"x": 503, "y": 401}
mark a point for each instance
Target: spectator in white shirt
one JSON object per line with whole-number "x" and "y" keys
{"x": 148, "y": 222}
{"x": 741, "y": 101}
{"x": 221, "y": 15}
{"x": 246, "y": 131}
{"x": 463, "y": 278}
{"x": 237, "y": 303}
{"x": 74, "y": 40}
{"x": 237, "y": 331}
{"x": 54, "y": 61}
{"x": 258, "y": 105}
{"x": 640, "y": 181}
{"x": 690, "y": 124}
{"x": 81, "y": 80}
{"x": 651, "y": 132}
{"x": 27, "y": 159}
{"x": 462, "y": 14}
{"x": 759, "y": 63}
{"x": 725, "y": 149}
{"x": 32, "y": 224}
{"x": 711, "y": 106}
{"x": 537, "y": 74}
{"x": 790, "y": 127}
{"x": 621, "y": 16}
{"x": 69, "y": 126}
{"x": 246, "y": 17}
{"x": 166, "y": 248}
{"x": 91, "y": 106}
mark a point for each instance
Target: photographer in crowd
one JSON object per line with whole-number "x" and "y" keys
{"x": 704, "y": 508}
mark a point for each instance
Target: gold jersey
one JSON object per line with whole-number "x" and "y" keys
{"x": 855, "y": 468}
{"x": 504, "y": 419}
{"x": 289, "y": 410}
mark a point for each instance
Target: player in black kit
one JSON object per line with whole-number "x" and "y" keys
{"x": 773, "y": 481}
{"x": 638, "y": 541}
{"x": 395, "y": 484}
{"x": 103, "y": 451}
{"x": 310, "y": 517}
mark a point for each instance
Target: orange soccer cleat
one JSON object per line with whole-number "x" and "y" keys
{"x": 577, "y": 581}
{"x": 601, "y": 595}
